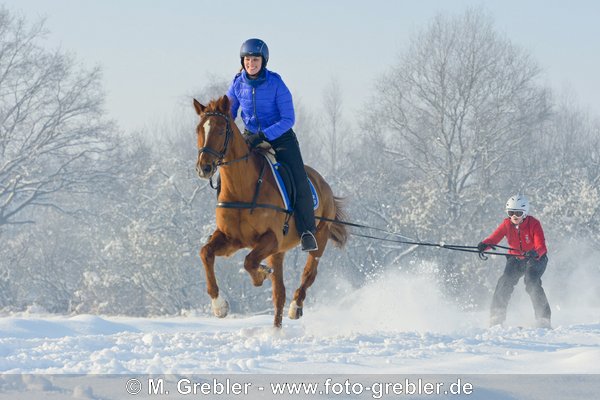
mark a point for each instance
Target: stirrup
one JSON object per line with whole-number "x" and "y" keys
{"x": 309, "y": 242}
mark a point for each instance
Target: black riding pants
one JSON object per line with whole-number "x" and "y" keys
{"x": 287, "y": 150}
{"x": 516, "y": 268}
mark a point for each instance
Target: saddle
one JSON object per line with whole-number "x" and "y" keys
{"x": 285, "y": 183}
{"x": 283, "y": 179}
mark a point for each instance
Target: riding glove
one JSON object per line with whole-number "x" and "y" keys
{"x": 254, "y": 139}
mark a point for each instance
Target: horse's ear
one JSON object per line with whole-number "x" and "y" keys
{"x": 199, "y": 107}
{"x": 224, "y": 104}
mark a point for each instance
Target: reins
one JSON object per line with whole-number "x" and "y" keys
{"x": 220, "y": 163}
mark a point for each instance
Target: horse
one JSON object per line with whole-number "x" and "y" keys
{"x": 250, "y": 213}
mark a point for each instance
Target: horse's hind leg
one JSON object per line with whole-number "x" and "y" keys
{"x": 276, "y": 263}
{"x": 218, "y": 245}
{"x": 309, "y": 274}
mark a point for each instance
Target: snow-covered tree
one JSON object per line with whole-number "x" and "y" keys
{"x": 52, "y": 131}
{"x": 457, "y": 103}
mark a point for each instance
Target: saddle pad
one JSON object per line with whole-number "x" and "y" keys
{"x": 283, "y": 191}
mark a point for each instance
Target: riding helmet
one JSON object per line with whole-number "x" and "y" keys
{"x": 255, "y": 47}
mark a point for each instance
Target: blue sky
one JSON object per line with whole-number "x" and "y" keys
{"x": 154, "y": 53}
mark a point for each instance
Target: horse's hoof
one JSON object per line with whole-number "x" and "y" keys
{"x": 263, "y": 273}
{"x": 294, "y": 312}
{"x": 220, "y": 307}
{"x": 265, "y": 270}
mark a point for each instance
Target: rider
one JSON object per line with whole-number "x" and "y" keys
{"x": 528, "y": 258}
{"x": 267, "y": 110}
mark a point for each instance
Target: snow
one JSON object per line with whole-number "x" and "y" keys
{"x": 387, "y": 327}
{"x": 91, "y": 344}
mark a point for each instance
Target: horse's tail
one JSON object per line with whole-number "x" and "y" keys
{"x": 338, "y": 232}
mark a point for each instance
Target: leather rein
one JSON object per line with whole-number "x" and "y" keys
{"x": 220, "y": 163}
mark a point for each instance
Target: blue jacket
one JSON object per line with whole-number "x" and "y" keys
{"x": 266, "y": 103}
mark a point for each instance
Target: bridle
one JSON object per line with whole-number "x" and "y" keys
{"x": 220, "y": 163}
{"x": 228, "y": 134}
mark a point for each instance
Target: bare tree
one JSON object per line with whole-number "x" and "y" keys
{"x": 334, "y": 131}
{"x": 51, "y": 127}
{"x": 566, "y": 185}
{"x": 456, "y": 106}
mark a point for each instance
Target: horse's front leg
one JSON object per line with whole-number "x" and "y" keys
{"x": 264, "y": 247}
{"x": 217, "y": 245}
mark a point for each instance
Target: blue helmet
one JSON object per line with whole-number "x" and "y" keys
{"x": 255, "y": 47}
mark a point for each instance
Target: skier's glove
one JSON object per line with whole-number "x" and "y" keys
{"x": 532, "y": 254}
{"x": 482, "y": 246}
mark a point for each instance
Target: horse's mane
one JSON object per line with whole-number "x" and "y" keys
{"x": 220, "y": 104}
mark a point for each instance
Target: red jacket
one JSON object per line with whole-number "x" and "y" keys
{"x": 528, "y": 235}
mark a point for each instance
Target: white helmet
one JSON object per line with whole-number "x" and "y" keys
{"x": 518, "y": 202}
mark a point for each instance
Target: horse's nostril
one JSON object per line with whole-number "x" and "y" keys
{"x": 207, "y": 168}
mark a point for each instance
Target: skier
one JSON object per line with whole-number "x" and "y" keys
{"x": 268, "y": 113}
{"x": 528, "y": 258}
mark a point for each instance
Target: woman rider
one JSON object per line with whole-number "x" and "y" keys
{"x": 267, "y": 110}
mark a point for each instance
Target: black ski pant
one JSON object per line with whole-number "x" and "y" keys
{"x": 515, "y": 268}
{"x": 287, "y": 150}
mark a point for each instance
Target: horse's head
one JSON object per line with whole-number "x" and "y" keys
{"x": 214, "y": 134}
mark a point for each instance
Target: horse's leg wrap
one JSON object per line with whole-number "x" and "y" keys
{"x": 218, "y": 245}
{"x": 295, "y": 311}
{"x": 220, "y": 307}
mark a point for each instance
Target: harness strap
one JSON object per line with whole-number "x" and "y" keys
{"x": 239, "y": 204}
{"x": 258, "y": 185}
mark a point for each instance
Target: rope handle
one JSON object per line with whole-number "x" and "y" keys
{"x": 443, "y": 245}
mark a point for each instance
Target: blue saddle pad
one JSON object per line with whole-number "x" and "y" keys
{"x": 276, "y": 169}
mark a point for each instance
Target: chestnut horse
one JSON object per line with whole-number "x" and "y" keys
{"x": 251, "y": 216}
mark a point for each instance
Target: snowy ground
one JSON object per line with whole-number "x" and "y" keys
{"x": 385, "y": 328}
{"x": 90, "y": 344}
